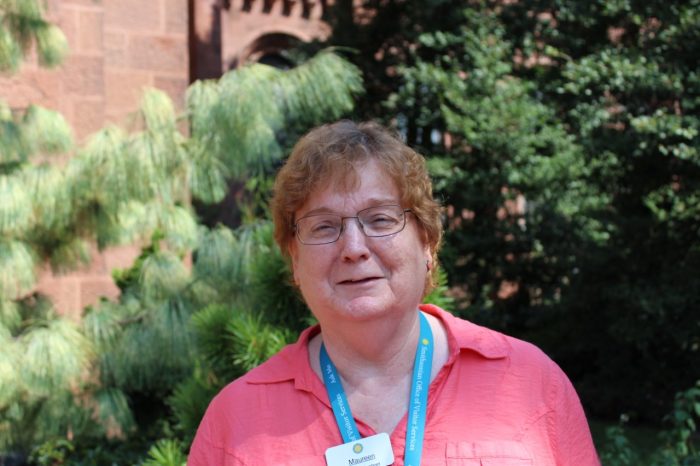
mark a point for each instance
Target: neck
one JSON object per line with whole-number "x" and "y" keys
{"x": 378, "y": 350}
{"x": 375, "y": 364}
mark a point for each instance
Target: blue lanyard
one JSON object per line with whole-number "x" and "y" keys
{"x": 417, "y": 405}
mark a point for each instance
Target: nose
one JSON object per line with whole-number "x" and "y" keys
{"x": 353, "y": 241}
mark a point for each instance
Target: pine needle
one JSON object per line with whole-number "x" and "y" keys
{"x": 68, "y": 255}
{"x": 166, "y": 452}
{"x": 114, "y": 412}
{"x": 16, "y": 269}
{"x": 15, "y": 205}
{"x": 54, "y": 356}
{"x": 10, "y": 317}
{"x": 46, "y": 131}
{"x": 10, "y": 51}
{"x": 51, "y": 197}
{"x": 178, "y": 226}
{"x": 101, "y": 326}
{"x": 10, "y": 383}
{"x": 52, "y": 45}
{"x": 162, "y": 275}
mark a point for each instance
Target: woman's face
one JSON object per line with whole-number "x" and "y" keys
{"x": 358, "y": 277}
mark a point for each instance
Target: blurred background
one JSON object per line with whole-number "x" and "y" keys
{"x": 139, "y": 140}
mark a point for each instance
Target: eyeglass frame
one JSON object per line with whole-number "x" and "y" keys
{"x": 359, "y": 222}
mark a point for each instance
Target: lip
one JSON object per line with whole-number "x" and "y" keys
{"x": 358, "y": 281}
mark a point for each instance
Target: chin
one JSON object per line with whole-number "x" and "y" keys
{"x": 366, "y": 308}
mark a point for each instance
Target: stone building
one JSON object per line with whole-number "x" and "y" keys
{"x": 118, "y": 47}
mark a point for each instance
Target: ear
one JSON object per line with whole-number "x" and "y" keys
{"x": 427, "y": 253}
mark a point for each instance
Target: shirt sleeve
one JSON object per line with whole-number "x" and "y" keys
{"x": 202, "y": 452}
{"x": 568, "y": 429}
{"x": 207, "y": 448}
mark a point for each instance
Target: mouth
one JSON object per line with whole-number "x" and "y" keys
{"x": 358, "y": 281}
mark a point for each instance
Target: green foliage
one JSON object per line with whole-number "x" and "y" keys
{"x": 52, "y": 452}
{"x": 440, "y": 296}
{"x": 563, "y": 139}
{"x": 22, "y": 25}
{"x": 190, "y": 400}
{"x": 44, "y": 359}
{"x": 250, "y": 316}
{"x": 97, "y": 380}
{"x": 235, "y": 141}
{"x": 166, "y": 453}
{"x": 253, "y": 341}
{"x": 681, "y": 442}
{"x": 678, "y": 444}
{"x": 631, "y": 103}
{"x": 16, "y": 269}
{"x": 512, "y": 179}
{"x": 618, "y": 450}
{"x": 111, "y": 376}
{"x": 54, "y": 353}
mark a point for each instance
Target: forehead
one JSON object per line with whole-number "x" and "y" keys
{"x": 369, "y": 186}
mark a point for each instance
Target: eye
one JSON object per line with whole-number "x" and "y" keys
{"x": 381, "y": 220}
{"x": 323, "y": 227}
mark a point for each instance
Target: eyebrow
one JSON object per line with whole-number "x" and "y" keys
{"x": 372, "y": 202}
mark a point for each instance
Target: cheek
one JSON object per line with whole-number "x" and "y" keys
{"x": 306, "y": 265}
{"x": 296, "y": 266}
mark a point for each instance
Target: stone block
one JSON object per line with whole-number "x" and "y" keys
{"x": 176, "y": 17}
{"x": 90, "y": 31}
{"x": 15, "y": 93}
{"x": 88, "y": 3}
{"x": 31, "y": 86}
{"x": 83, "y": 75}
{"x": 63, "y": 291}
{"x": 118, "y": 117}
{"x": 53, "y": 7}
{"x": 134, "y": 15}
{"x": 93, "y": 289}
{"x": 124, "y": 88}
{"x": 174, "y": 87}
{"x": 120, "y": 257}
{"x": 88, "y": 116}
{"x": 158, "y": 53}
{"x": 68, "y": 22}
{"x": 115, "y": 44}
{"x": 47, "y": 83}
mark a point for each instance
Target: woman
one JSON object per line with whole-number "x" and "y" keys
{"x": 383, "y": 379}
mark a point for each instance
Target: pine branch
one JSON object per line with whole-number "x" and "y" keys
{"x": 16, "y": 269}
{"x": 22, "y": 23}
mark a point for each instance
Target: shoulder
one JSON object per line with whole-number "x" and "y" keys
{"x": 490, "y": 344}
{"x": 521, "y": 359}
{"x": 252, "y": 387}
{"x": 270, "y": 383}
{"x": 275, "y": 403}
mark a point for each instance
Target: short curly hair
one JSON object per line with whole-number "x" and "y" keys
{"x": 331, "y": 154}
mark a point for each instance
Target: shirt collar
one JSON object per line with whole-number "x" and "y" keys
{"x": 292, "y": 363}
{"x": 464, "y": 335}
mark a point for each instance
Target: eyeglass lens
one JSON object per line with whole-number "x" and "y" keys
{"x": 375, "y": 221}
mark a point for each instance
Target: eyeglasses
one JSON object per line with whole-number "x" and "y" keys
{"x": 383, "y": 220}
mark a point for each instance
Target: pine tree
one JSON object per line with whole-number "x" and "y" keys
{"x": 236, "y": 307}
{"x": 59, "y": 379}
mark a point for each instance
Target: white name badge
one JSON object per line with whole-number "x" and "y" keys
{"x": 369, "y": 451}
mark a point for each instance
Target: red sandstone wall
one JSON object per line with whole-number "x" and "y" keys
{"x": 117, "y": 48}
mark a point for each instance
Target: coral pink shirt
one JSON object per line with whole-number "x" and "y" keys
{"x": 498, "y": 401}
